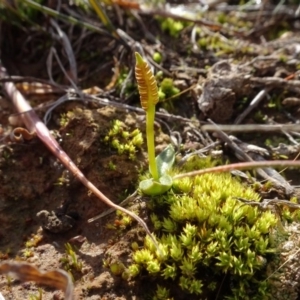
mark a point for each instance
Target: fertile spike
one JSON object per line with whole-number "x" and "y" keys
{"x": 146, "y": 83}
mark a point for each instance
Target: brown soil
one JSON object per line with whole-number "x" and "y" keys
{"x": 33, "y": 180}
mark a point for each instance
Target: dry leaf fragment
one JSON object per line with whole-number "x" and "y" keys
{"x": 25, "y": 272}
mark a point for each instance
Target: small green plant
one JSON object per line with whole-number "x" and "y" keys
{"x": 70, "y": 260}
{"x": 160, "y": 181}
{"x": 220, "y": 45}
{"x": 167, "y": 89}
{"x": 157, "y": 57}
{"x": 122, "y": 221}
{"x": 39, "y": 296}
{"x": 123, "y": 141}
{"x": 116, "y": 267}
{"x": 64, "y": 120}
{"x": 172, "y": 26}
{"x": 63, "y": 180}
{"x": 162, "y": 293}
{"x": 112, "y": 166}
{"x": 34, "y": 240}
{"x": 9, "y": 281}
{"x": 27, "y": 253}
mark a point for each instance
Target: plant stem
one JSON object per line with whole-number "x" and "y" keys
{"x": 149, "y": 97}
{"x": 150, "y": 114}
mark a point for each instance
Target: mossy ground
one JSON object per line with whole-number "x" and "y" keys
{"x": 209, "y": 239}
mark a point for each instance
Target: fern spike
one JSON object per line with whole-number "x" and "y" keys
{"x": 146, "y": 83}
{"x": 149, "y": 97}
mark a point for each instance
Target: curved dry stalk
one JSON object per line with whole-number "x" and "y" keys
{"x": 242, "y": 166}
{"x": 34, "y": 124}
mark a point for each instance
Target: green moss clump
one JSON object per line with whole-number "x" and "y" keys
{"x": 206, "y": 236}
{"x": 172, "y": 26}
{"x": 162, "y": 294}
{"x": 167, "y": 89}
{"x": 123, "y": 141}
{"x": 221, "y": 46}
{"x": 157, "y": 57}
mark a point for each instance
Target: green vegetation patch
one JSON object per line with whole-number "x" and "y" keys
{"x": 209, "y": 241}
{"x": 123, "y": 141}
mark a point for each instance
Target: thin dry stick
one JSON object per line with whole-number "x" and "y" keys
{"x": 242, "y": 166}
{"x": 291, "y": 257}
{"x": 254, "y": 103}
{"x": 243, "y": 155}
{"x": 252, "y": 127}
{"x": 34, "y": 124}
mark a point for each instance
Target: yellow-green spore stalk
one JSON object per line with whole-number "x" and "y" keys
{"x": 124, "y": 141}
{"x": 207, "y": 237}
{"x": 148, "y": 91}
{"x": 159, "y": 166}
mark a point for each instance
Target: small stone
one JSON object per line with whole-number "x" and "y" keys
{"x": 55, "y": 223}
{"x": 224, "y": 84}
